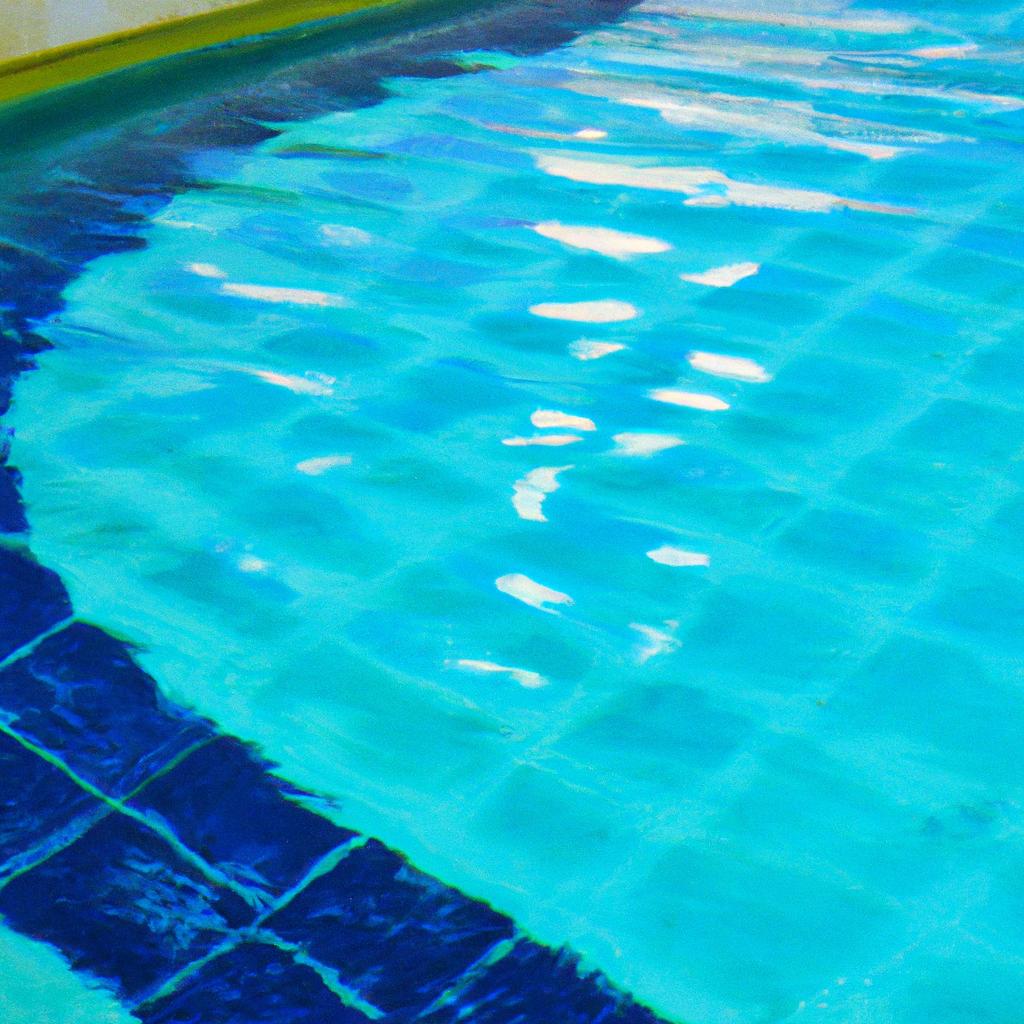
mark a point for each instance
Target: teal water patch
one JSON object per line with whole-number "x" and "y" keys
{"x": 39, "y": 988}
{"x": 600, "y": 474}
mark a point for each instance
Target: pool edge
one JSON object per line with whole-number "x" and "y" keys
{"x": 31, "y": 74}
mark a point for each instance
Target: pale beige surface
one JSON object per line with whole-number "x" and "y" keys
{"x": 32, "y": 25}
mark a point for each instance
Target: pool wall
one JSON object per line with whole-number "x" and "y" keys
{"x": 64, "y": 42}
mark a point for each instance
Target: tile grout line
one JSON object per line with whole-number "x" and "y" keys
{"x": 249, "y": 896}
{"x": 328, "y": 975}
{"x": 60, "y": 840}
{"x": 31, "y": 645}
{"x": 327, "y": 863}
{"x": 167, "y": 988}
{"x": 178, "y": 758}
{"x": 254, "y": 930}
{"x": 475, "y": 970}
{"x": 251, "y": 932}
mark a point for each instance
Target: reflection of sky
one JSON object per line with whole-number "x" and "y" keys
{"x": 600, "y": 475}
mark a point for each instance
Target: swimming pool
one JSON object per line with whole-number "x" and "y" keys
{"x": 598, "y": 472}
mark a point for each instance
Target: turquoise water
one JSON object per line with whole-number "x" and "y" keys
{"x": 600, "y": 474}
{"x": 38, "y": 988}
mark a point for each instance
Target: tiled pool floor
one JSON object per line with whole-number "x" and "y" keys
{"x": 598, "y": 475}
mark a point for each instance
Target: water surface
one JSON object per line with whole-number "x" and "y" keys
{"x": 600, "y": 474}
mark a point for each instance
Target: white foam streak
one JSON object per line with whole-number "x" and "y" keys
{"x": 536, "y": 595}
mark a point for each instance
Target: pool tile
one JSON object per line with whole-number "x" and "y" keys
{"x": 980, "y": 604}
{"x": 960, "y": 432}
{"x": 253, "y": 984}
{"x": 38, "y": 802}
{"x": 80, "y": 695}
{"x": 224, "y": 805}
{"x": 32, "y": 600}
{"x": 532, "y": 983}
{"x": 396, "y": 936}
{"x": 120, "y": 904}
{"x": 12, "y": 510}
{"x": 789, "y": 632}
{"x": 858, "y": 547}
{"x": 677, "y": 737}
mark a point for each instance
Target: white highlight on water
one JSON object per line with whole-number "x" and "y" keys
{"x": 320, "y": 384}
{"x": 732, "y": 367}
{"x": 644, "y": 445}
{"x": 206, "y": 270}
{"x": 606, "y": 241}
{"x": 524, "y": 677}
{"x": 287, "y": 296}
{"x": 530, "y": 592}
{"x": 596, "y": 311}
{"x": 250, "y": 563}
{"x": 542, "y": 440}
{"x": 343, "y": 235}
{"x": 723, "y": 277}
{"x": 677, "y": 557}
{"x": 585, "y": 349}
{"x": 658, "y": 641}
{"x": 321, "y": 464}
{"x": 689, "y": 399}
{"x": 543, "y": 418}
{"x": 704, "y": 186}
{"x": 529, "y": 492}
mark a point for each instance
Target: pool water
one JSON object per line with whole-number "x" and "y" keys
{"x": 600, "y": 475}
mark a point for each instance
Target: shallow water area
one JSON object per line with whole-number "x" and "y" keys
{"x": 600, "y": 474}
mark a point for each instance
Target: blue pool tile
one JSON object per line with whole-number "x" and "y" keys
{"x": 32, "y": 600}
{"x": 12, "y": 511}
{"x": 395, "y": 936}
{"x": 534, "y": 984}
{"x": 253, "y": 984}
{"x": 222, "y": 803}
{"x": 120, "y": 904}
{"x": 38, "y": 803}
{"x": 80, "y": 695}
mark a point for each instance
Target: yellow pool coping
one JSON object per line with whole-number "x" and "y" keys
{"x": 22, "y": 77}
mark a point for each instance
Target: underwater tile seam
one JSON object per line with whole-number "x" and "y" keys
{"x": 24, "y": 903}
